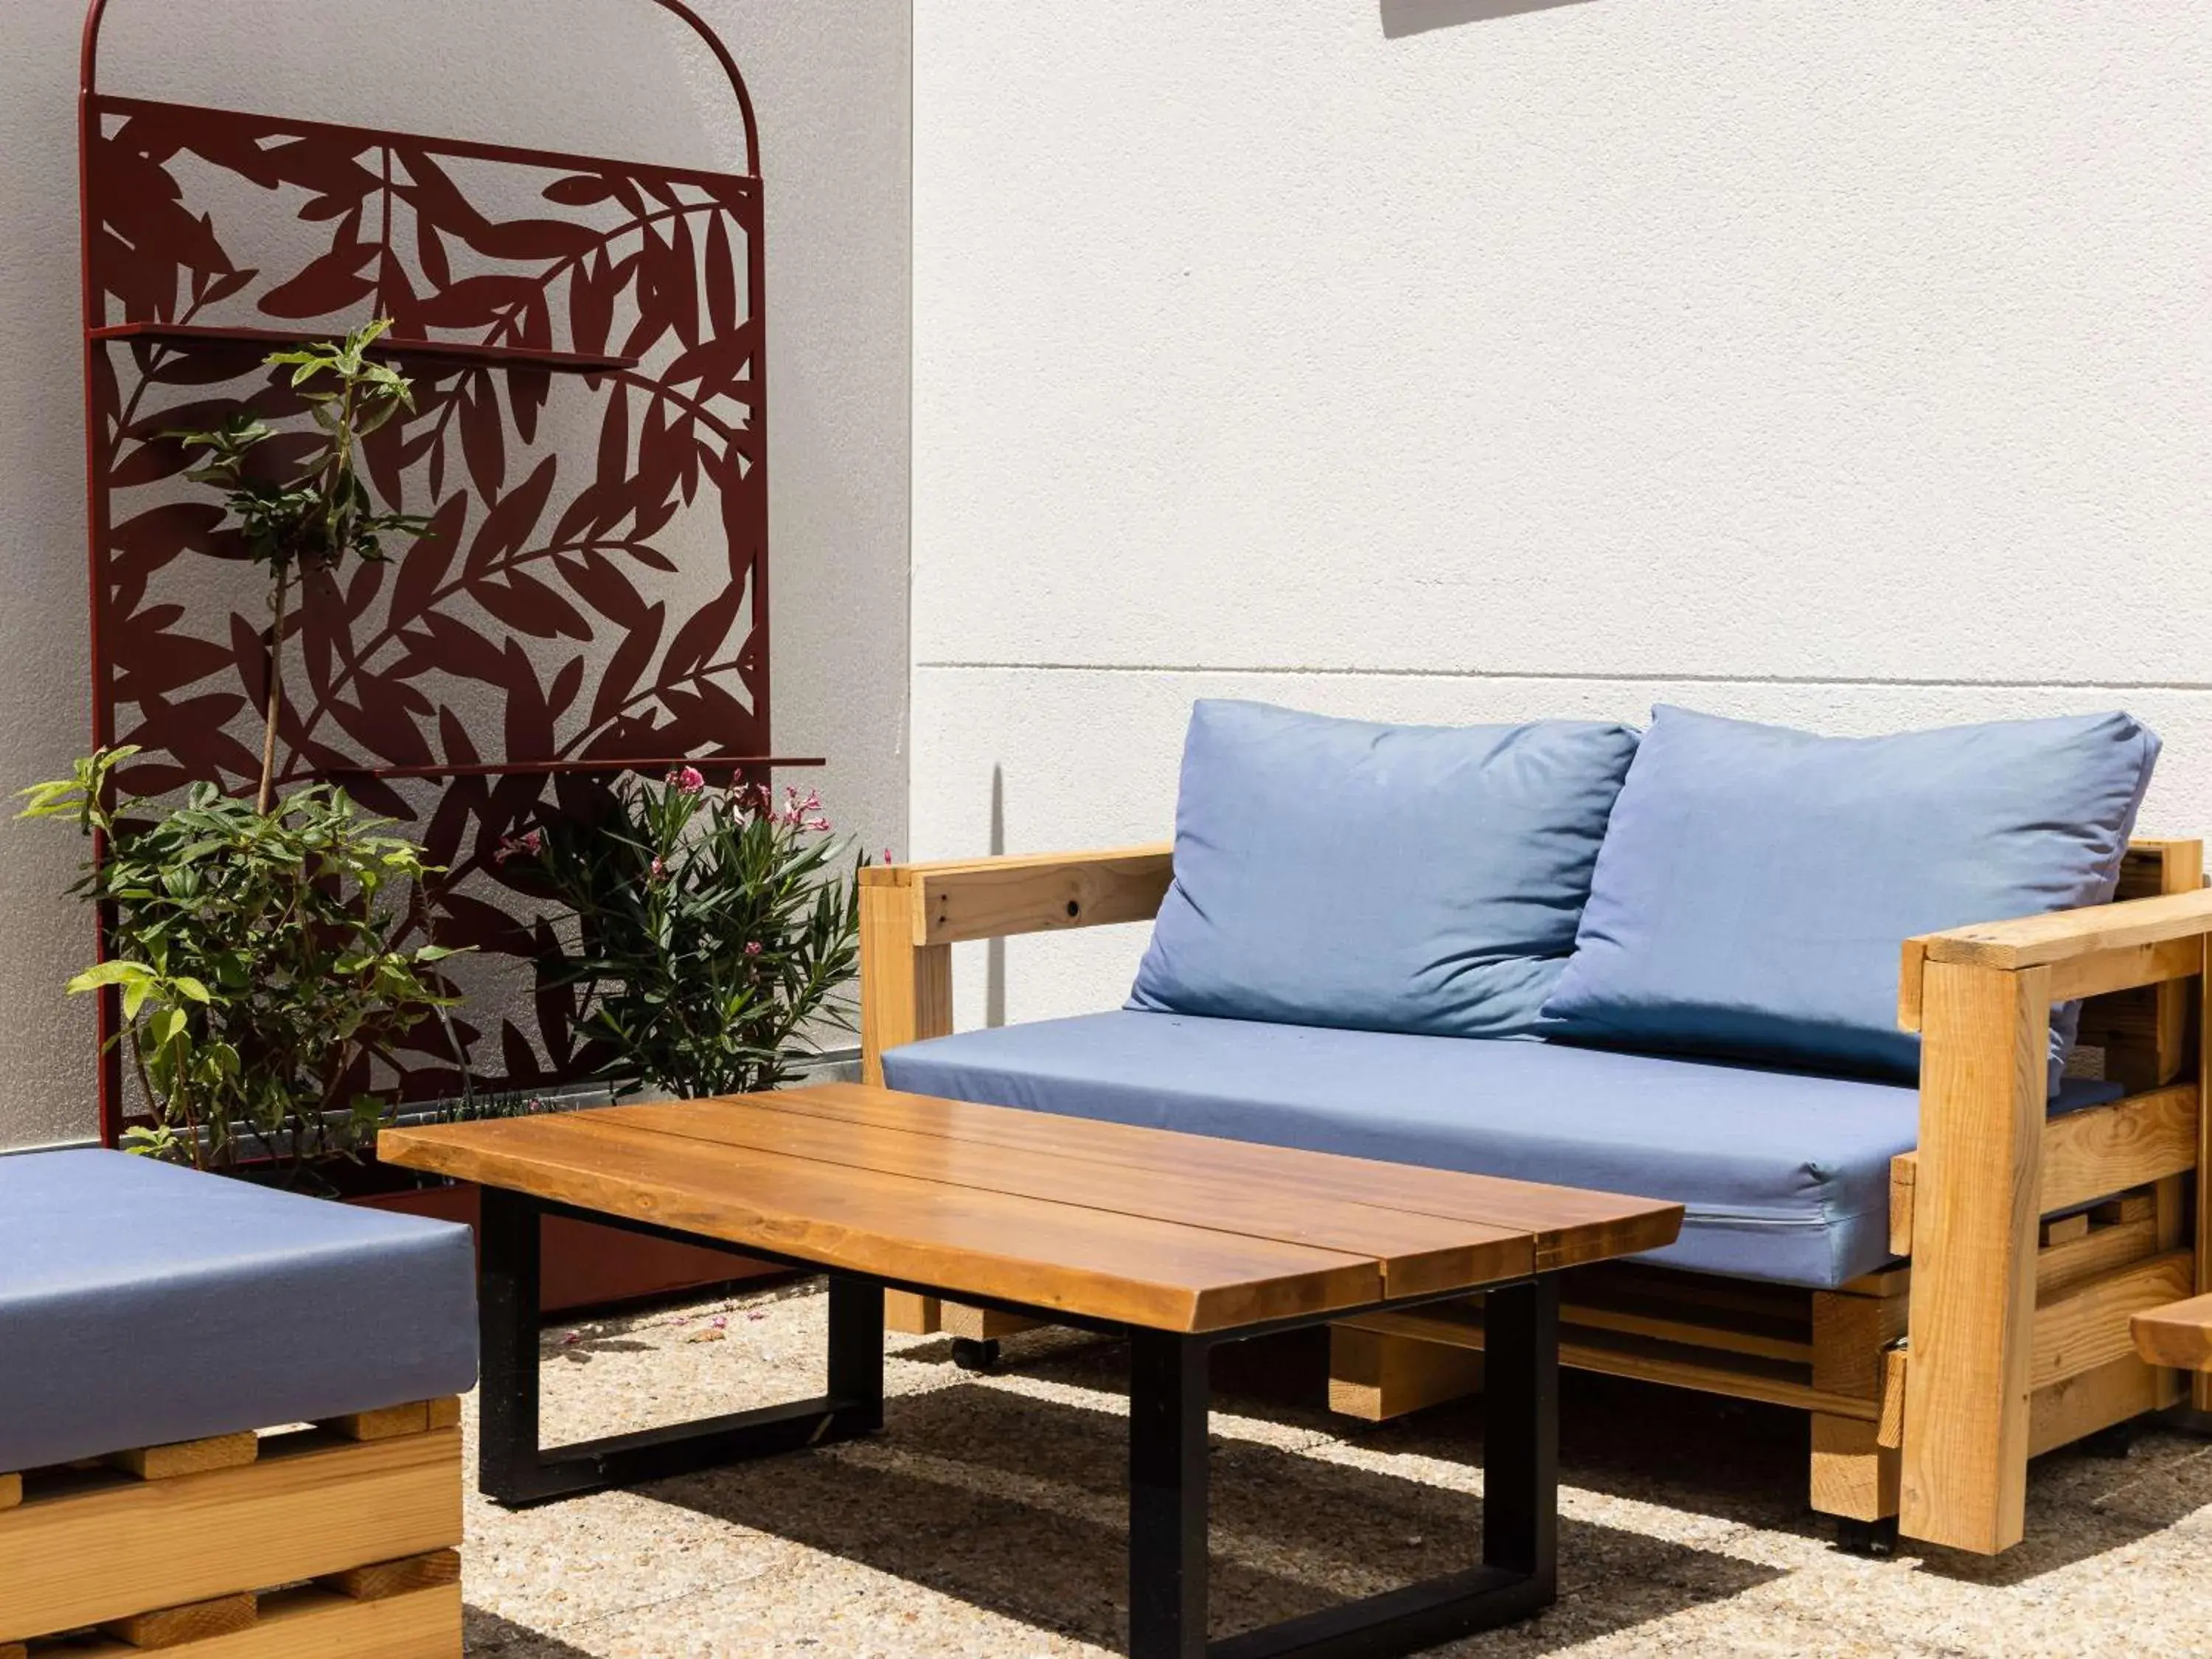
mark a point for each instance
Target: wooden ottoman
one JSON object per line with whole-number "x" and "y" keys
{"x": 228, "y": 1421}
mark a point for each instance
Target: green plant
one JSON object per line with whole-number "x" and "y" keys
{"x": 314, "y": 519}
{"x": 258, "y": 959}
{"x": 707, "y": 933}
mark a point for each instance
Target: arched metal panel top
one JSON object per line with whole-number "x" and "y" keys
{"x": 96, "y": 14}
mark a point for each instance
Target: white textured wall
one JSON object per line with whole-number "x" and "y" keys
{"x": 831, "y": 83}
{"x": 1848, "y": 366}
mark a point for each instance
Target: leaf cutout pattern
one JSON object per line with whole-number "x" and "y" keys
{"x": 556, "y": 611}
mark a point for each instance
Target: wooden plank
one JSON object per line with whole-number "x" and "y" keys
{"x": 446, "y": 1412}
{"x": 11, "y": 1490}
{"x": 2175, "y": 1334}
{"x": 982, "y": 1324}
{"x": 382, "y": 1424}
{"x": 2060, "y": 1267}
{"x": 1890, "y": 1426}
{"x": 1741, "y": 1376}
{"x": 2087, "y": 1325}
{"x": 221, "y": 1451}
{"x": 2200, "y": 1387}
{"x": 914, "y": 1314}
{"x": 2181, "y": 870}
{"x": 1883, "y": 1281}
{"x": 196, "y": 1621}
{"x": 1764, "y": 1306}
{"x": 1912, "y": 966}
{"x": 1418, "y": 1254}
{"x": 1646, "y": 1305}
{"x": 1983, "y": 1078}
{"x": 2126, "y": 967}
{"x": 2064, "y": 935}
{"x": 383, "y": 1579}
{"x": 2085, "y": 1156}
{"x": 1850, "y": 1334}
{"x": 906, "y": 989}
{"x": 96, "y": 1546}
{"x": 1854, "y": 1474}
{"x": 2066, "y": 1229}
{"x": 1569, "y": 1223}
{"x": 2144, "y": 1033}
{"x": 2091, "y": 1154}
{"x": 297, "y": 1624}
{"x": 2122, "y": 1388}
{"x": 1003, "y": 897}
{"x": 2138, "y": 1206}
{"x": 911, "y": 1313}
{"x": 1375, "y": 1377}
{"x": 1057, "y": 1257}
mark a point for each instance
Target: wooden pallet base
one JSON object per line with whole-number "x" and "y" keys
{"x": 423, "y": 1623}
{"x": 1835, "y": 1355}
{"x": 171, "y": 1547}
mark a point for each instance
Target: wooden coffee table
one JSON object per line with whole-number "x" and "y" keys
{"x": 1178, "y": 1243}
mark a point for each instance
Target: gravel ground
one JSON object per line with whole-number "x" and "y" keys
{"x": 986, "y": 1522}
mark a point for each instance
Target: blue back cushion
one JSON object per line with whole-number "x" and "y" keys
{"x": 1756, "y": 882}
{"x": 1383, "y": 877}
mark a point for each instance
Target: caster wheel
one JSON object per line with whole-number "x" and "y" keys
{"x": 969, "y": 1355}
{"x": 1876, "y": 1541}
{"x": 2117, "y": 1442}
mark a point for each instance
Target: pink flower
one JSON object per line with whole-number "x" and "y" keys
{"x": 528, "y": 845}
{"x": 752, "y": 947}
{"x": 659, "y": 870}
{"x": 688, "y": 778}
{"x": 888, "y": 858}
{"x": 821, "y": 825}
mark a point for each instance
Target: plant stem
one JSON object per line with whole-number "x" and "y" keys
{"x": 262, "y": 801}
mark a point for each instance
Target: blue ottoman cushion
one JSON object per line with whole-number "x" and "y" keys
{"x": 141, "y": 1304}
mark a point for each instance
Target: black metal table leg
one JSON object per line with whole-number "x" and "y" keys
{"x": 1521, "y": 1442}
{"x": 513, "y": 1470}
{"x": 1519, "y": 1574}
{"x": 1167, "y": 1496}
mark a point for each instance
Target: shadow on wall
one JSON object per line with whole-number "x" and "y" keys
{"x": 1403, "y": 17}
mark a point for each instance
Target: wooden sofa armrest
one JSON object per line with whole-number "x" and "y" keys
{"x": 2084, "y": 952}
{"x": 1025, "y": 893}
{"x": 912, "y": 915}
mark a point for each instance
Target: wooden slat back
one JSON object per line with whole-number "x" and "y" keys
{"x": 2145, "y": 1032}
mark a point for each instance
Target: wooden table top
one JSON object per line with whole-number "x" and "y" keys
{"x": 1102, "y": 1221}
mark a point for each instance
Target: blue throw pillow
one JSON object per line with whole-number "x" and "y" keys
{"x": 1383, "y": 877}
{"x": 1757, "y": 883}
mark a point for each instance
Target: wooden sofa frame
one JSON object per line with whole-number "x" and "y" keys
{"x": 2028, "y": 1242}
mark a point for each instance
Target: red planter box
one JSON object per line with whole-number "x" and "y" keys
{"x": 585, "y": 1265}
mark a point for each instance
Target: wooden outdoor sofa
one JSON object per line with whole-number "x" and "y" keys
{"x": 2025, "y": 1242}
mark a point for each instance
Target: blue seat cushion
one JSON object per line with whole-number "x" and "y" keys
{"x": 141, "y": 1304}
{"x": 1785, "y": 1175}
{"x": 1393, "y": 878}
{"x": 1756, "y": 882}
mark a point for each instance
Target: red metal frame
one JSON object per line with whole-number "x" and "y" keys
{"x": 540, "y": 639}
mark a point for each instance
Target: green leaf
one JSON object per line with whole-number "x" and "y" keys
{"x": 109, "y": 973}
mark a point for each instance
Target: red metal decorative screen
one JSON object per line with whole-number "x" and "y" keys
{"x": 586, "y": 339}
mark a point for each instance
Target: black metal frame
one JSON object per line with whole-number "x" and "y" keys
{"x": 1168, "y": 1476}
